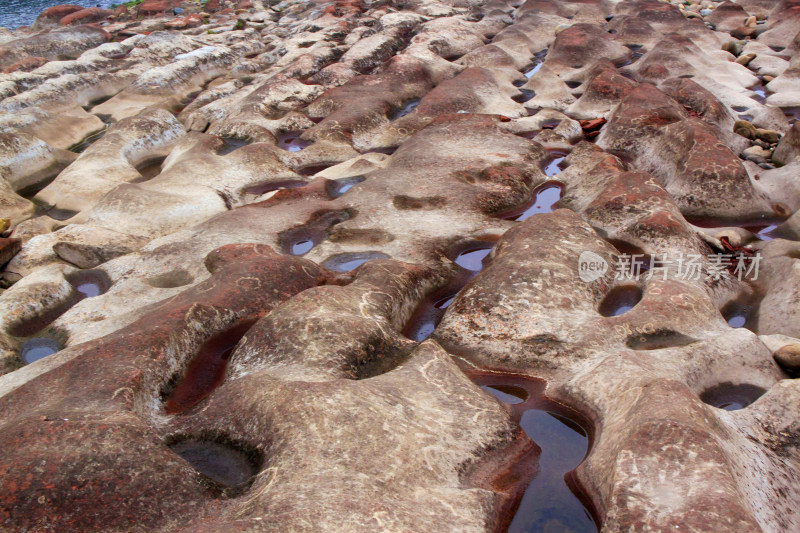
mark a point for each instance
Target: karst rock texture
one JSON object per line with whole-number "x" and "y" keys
{"x": 286, "y": 266}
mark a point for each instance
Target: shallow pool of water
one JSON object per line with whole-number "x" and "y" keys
{"x": 38, "y": 348}
{"x": 224, "y": 464}
{"x": 405, "y": 109}
{"x": 205, "y": 371}
{"x": 336, "y": 188}
{"x": 350, "y": 261}
{"x": 473, "y": 258}
{"x": 545, "y": 197}
{"x": 231, "y": 144}
{"x": 732, "y": 396}
{"x": 548, "y": 504}
{"x": 554, "y": 165}
{"x": 620, "y": 300}
{"x": 89, "y": 283}
{"x": 427, "y": 317}
{"x": 291, "y": 141}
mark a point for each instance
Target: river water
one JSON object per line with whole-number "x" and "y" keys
{"x": 16, "y": 13}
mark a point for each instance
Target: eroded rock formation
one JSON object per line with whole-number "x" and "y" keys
{"x": 317, "y": 266}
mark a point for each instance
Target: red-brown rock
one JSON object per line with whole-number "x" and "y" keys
{"x": 152, "y": 8}
{"x": 51, "y": 15}
{"x": 86, "y": 16}
{"x": 212, "y": 6}
{"x": 26, "y": 65}
{"x": 130, "y": 462}
{"x": 191, "y": 21}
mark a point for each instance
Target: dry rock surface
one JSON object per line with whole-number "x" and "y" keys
{"x": 328, "y": 265}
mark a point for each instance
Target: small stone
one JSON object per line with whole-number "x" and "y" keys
{"x": 177, "y": 11}
{"x": 745, "y": 129}
{"x": 88, "y": 255}
{"x": 732, "y": 47}
{"x": 4, "y": 224}
{"x": 761, "y": 143}
{"x": 766, "y": 78}
{"x": 745, "y": 59}
{"x": 788, "y": 357}
{"x": 705, "y": 12}
{"x": 769, "y": 136}
{"x": 750, "y": 22}
{"x": 756, "y": 154}
{"x": 743, "y": 33}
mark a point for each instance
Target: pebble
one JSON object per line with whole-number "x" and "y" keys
{"x": 788, "y": 357}
{"x": 757, "y": 154}
{"x": 751, "y": 21}
{"x": 745, "y": 129}
{"x": 743, "y": 32}
{"x": 770, "y": 136}
{"x": 732, "y": 47}
{"x": 766, "y": 78}
{"x": 761, "y": 143}
{"x": 4, "y": 224}
{"x": 705, "y": 12}
{"x": 745, "y": 59}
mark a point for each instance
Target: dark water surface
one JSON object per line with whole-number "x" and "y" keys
{"x": 550, "y": 504}
{"x": 16, "y": 13}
